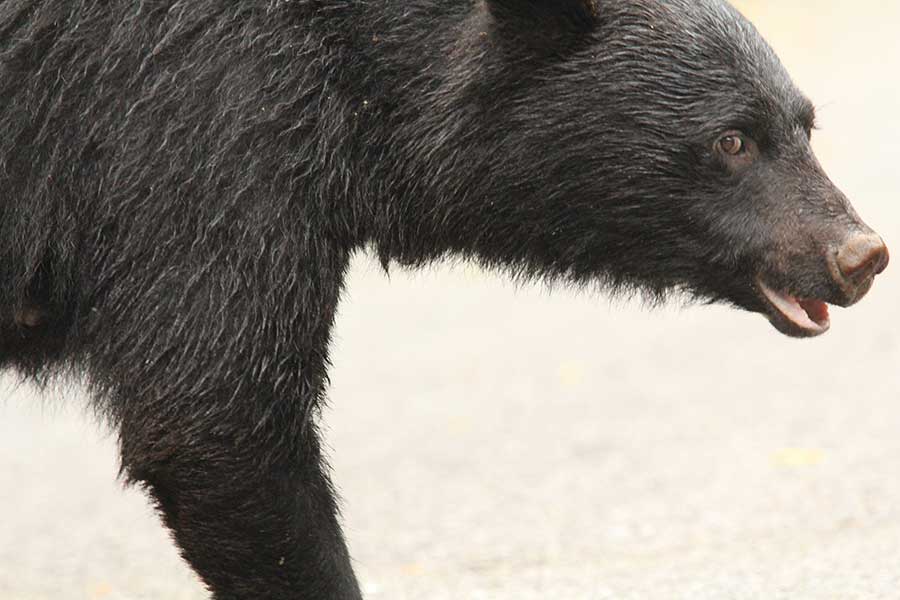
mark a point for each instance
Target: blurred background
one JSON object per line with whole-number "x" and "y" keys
{"x": 494, "y": 442}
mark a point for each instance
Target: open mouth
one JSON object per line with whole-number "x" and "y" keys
{"x": 796, "y": 317}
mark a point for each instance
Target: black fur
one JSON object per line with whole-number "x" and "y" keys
{"x": 183, "y": 183}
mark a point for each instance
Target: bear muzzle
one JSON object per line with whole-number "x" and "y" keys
{"x": 855, "y": 264}
{"x": 852, "y": 267}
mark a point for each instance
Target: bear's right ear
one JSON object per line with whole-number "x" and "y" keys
{"x": 580, "y": 15}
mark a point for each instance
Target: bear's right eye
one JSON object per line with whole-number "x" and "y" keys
{"x": 731, "y": 144}
{"x": 736, "y": 150}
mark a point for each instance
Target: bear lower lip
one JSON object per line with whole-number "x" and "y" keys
{"x": 794, "y": 316}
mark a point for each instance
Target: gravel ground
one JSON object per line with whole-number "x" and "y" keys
{"x": 501, "y": 443}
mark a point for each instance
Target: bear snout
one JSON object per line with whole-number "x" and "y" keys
{"x": 855, "y": 263}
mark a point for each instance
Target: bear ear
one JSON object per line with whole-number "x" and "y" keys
{"x": 571, "y": 14}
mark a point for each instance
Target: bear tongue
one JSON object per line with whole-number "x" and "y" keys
{"x": 811, "y": 315}
{"x": 816, "y": 310}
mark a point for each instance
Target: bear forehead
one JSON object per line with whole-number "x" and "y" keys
{"x": 698, "y": 23}
{"x": 702, "y": 38}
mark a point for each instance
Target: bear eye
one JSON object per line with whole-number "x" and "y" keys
{"x": 731, "y": 144}
{"x": 736, "y": 150}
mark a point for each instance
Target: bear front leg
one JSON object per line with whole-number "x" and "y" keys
{"x": 214, "y": 377}
{"x": 253, "y": 514}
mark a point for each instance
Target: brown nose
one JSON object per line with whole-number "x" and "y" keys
{"x": 862, "y": 257}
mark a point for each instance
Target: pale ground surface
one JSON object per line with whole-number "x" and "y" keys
{"x": 500, "y": 444}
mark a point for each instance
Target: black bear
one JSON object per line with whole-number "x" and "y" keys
{"x": 183, "y": 183}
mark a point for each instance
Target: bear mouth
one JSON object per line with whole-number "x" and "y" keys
{"x": 794, "y": 316}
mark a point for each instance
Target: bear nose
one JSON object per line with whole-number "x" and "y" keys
{"x": 862, "y": 257}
